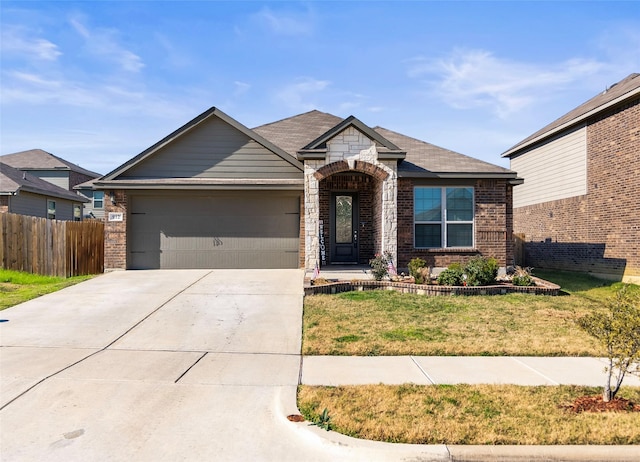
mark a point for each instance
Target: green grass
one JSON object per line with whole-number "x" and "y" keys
{"x": 18, "y": 287}
{"x": 392, "y": 323}
{"x": 470, "y": 414}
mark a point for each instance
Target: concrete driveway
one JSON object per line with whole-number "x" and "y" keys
{"x": 191, "y": 365}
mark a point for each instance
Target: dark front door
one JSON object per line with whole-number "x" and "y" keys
{"x": 344, "y": 241}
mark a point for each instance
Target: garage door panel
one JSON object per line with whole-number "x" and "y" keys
{"x": 247, "y": 230}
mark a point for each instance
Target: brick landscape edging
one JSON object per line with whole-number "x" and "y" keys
{"x": 542, "y": 287}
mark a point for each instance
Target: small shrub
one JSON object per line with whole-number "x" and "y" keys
{"x": 522, "y": 277}
{"x": 415, "y": 267}
{"x": 452, "y": 276}
{"x": 481, "y": 271}
{"x": 380, "y": 265}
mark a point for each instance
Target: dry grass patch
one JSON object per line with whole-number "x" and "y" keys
{"x": 470, "y": 414}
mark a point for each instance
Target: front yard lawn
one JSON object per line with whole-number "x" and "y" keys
{"x": 17, "y": 287}
{"x": 391, "y": 323}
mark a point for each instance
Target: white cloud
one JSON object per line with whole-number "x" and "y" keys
{"x": 477, "y": 78}
{"x": 300, "y": 95}
{"x": 103, "y": 42}
{"x": 19, "y": 41}
{"x": 285, "y": 23}
{"x": 241, "y": 88}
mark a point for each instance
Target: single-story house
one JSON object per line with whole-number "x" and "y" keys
{"x": 579, "y": 208}
{"x": 26, "y": 194}
{"x": 313, "y": 189}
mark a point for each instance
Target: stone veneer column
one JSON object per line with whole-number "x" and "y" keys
{"x": 311, "y": 214}
{"x": 351, "y": 145}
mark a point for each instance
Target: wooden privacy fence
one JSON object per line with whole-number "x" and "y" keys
{"x": 51, "y": 247}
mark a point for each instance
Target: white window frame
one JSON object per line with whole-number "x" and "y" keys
{"x": 51, "y": 205}
{"x": 444, "y": 222}
{"x": 101, "y": 200}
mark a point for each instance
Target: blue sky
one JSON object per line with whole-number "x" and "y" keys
{"x": 98, "y": 82}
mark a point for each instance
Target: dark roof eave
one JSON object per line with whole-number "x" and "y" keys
{"x": 460, "y": 175}
{"x": 287, "y": 185}
{"x": 43, "y": 192}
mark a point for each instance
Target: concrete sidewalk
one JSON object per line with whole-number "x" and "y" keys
{"x": 427, "y": 370}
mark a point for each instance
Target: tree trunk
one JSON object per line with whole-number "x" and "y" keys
{"x": 606, "y": 393}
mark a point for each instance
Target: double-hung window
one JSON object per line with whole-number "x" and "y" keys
{"x": 98, "y": 199}
{"x": 443, "y": 217}
{"x": 51, "y": 210}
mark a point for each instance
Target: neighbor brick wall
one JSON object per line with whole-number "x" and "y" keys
{"x": 76, "y": 178}
{"x": 493, "y": 225}
{"x": 115, "y": 232}
{"x": 600, "y": 231}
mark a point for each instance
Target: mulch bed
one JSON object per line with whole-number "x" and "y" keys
{"x": 595, "y": 404}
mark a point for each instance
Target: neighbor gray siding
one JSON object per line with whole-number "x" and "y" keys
{"x": 555, "y": 170}
{"x": 213, "y": 149}
{"x": 60, "y": 178}
{"x": 35, "y": 205}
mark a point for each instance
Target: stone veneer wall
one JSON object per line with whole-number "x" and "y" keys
{"x": 360, "y": 154}
{"x": 115, "y": 232}
{"x": 598, "y": 232}
{"x": 493, "y": 226}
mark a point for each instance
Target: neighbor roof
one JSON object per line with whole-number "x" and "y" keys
{"x": 14, "y": 181}
{"x": 37, "y": 159}
{"x": 627, "y": 88}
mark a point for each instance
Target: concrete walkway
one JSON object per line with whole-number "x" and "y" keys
{"x": 428, "y": 370}
{"x": 201, "y": 365}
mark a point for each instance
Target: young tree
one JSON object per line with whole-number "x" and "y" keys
{"x": 617, "y": 328}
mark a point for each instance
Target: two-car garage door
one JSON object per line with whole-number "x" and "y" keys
{"x": 240, "y": 229}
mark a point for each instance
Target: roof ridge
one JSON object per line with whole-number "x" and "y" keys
{"x": 297, "y": 115}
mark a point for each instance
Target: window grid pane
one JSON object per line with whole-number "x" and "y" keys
{"x": 429, "y": 235}
{"x": 427, "y": 204}
{"x": 459, "y": 235}
{"x": 459, "y": 204}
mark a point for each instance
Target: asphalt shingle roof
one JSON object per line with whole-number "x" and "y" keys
{"x": 422, "y": 158}
{"x": 38, "y": 159}
{"x": 14, "y": 180}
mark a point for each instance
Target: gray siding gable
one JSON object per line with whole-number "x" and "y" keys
{"x": 213, "y": 149}
{"x": 212, "y": 146}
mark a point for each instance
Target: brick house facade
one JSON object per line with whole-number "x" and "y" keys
{"x": 335, "y": 191}
{"x": 596, "y": 228}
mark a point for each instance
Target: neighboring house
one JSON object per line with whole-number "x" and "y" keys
{"x": 579, "y": 207}
{"x": 94, "y": 208}
{"x": 313, "y": 189}
{"x": 51, "y": 168}
{"x": 25, "y": 194}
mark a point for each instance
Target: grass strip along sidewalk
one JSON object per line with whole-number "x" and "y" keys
{"x": 390, "y": 323}
{"x": 18, "y": 287}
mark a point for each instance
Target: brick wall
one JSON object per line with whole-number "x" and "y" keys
{"x": 493, "y": 226}
{"x": 598, "y": 232}
{"x": 76, "y": 178}
{"x": 115, "y": 232}
{"x": 350, "y": 182}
